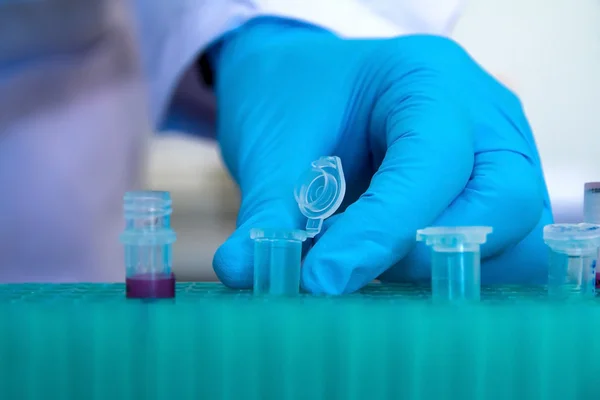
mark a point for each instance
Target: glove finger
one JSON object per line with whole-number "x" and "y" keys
{"x": 505, "y": 192}
{"x": 405, "y": 194}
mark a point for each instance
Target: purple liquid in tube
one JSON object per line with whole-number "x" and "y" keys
{"x": 147, "y": 239}
{"x": 150, "y": 286}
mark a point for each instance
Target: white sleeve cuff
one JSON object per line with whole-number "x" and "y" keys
{"x": 173, "y": 34}
{"x": 370, "y": 18}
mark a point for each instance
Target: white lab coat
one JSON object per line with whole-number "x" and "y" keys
{"x": 73, "y": 115}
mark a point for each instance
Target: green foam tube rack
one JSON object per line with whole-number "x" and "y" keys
{"x": 86, "y": 341}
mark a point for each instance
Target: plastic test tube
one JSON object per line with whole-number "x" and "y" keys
{"x": 277, "y": 257}
{"x": 455, "y": 261}
{"x": 148, "y": 239}
{"x": 591, "y": 212}
{"x": 573, "y": 251}
{"x": 591, "y": 203}
{"x": 278, "y": 252}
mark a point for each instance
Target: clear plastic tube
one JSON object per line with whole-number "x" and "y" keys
{"x": 455, "y": 275}
{"x": 148, "y": 240}
{"x": 573, "y": 252}
{"x": 591, "y": 215}
{"x": 591, "y": 203}
{"x": 319, "y": 192}
{"x": 277, "y": 259}
{"x": 571, "y": 275}
{"x": 455, "y": 261}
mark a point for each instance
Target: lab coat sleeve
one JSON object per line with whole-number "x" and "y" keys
{"x": 174, "y": 33}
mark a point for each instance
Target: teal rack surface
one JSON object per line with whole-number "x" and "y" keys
{"x": 87, "y": 341}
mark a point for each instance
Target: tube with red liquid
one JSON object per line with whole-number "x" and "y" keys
{"x": 148, "y": 240}
{"x": 591, "y": 214}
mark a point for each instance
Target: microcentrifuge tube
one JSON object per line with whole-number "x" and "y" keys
{"x": 277, "y": 257}
{"x": 455, "y": 261}
{"x": 572, "y": 263}
{"x": 148, "y": 239}
{"x": 591, "y": 203}
{"x": 591, "y": 213}
{"x": 278, "y": 252}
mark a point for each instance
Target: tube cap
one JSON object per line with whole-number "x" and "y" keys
{"x": 453, "y": 238}
{"x": 572, "y": 239}
{"x": 320, "y": 192}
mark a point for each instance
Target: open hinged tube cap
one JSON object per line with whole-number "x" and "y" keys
{"x": 320, "y": 192}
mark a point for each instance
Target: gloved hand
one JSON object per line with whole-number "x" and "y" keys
{"x": 426, "y": 137}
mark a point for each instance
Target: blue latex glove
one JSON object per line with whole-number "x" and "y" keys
{"x": 426, "y": 137}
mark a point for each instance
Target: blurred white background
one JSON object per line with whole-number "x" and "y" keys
{"x": 548, "y": 52}
{"x": 205, "y": 200}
